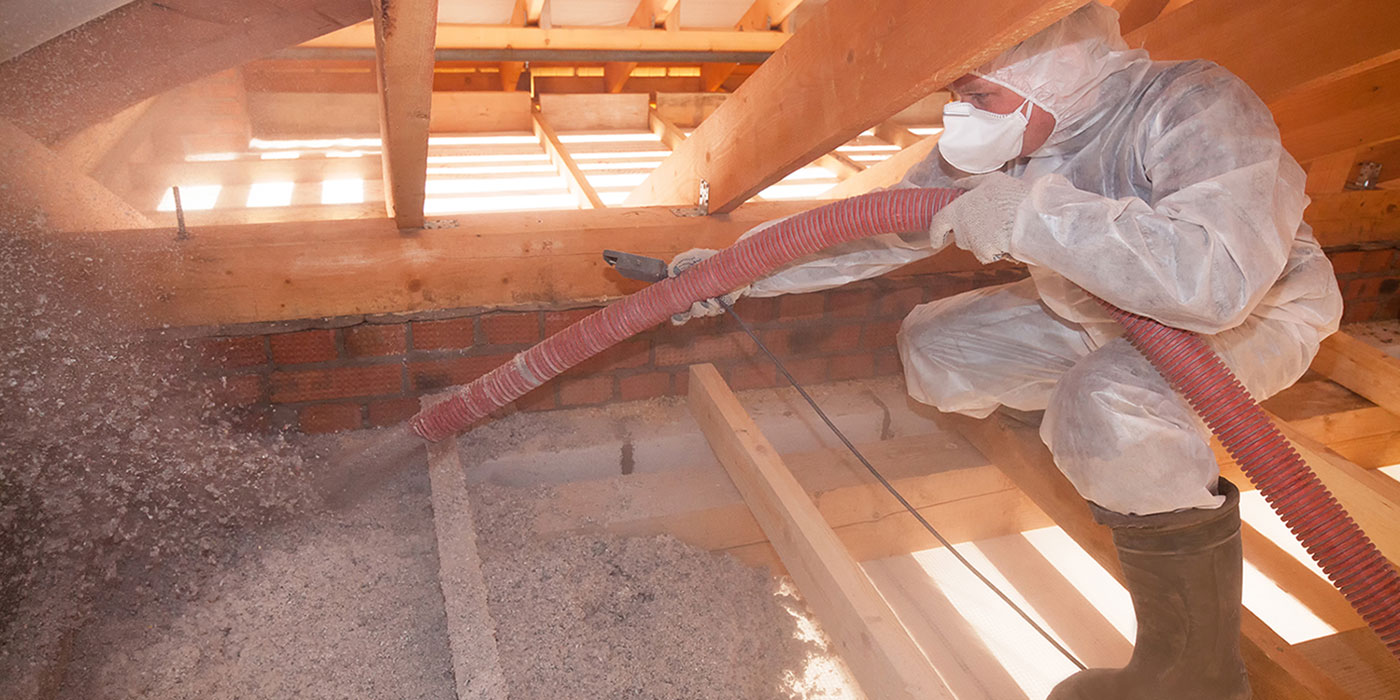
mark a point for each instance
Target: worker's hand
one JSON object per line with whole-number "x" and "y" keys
{"x": 981, "y": 219}
{"x": 704, "y": 307}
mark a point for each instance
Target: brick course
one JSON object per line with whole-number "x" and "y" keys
{"x": 372, "y": 374}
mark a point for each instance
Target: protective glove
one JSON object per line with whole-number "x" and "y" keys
{"x": 981, "y": 220}
{"x": 704, "y": 307}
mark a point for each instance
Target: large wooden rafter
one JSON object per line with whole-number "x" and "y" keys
{"x": 843, "y": 72}
{"x": 404, "y": 32}
{"x": 147, "y": 47}
{"x": 1302, "y": 45}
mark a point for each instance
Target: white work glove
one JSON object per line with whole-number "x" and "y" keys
{"x": 704, "y": 307}
{"x": 981, "y": 219}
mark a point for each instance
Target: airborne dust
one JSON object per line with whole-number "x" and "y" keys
{"x": 115, "y": 462}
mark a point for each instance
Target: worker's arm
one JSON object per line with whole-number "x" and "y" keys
{"x": 861, "y": 259}
{"x": 1225, "y": 208}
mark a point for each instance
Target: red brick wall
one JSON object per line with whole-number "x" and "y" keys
{"x": 1370, "y": 280}
{"x": 372, "y": 374}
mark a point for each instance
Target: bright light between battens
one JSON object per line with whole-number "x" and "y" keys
{"x": 603, "y": 155}
{"x": 192, "y": 198}
{"x": 608, "y": 138}
{"x": 283, "y": 144}
{"x": 491, "y": 158}
{"x": 343, "y": 191}
{"x": 481, "y": 140}
{"x": 490, "y": 185}
{"x": 520, "y": 202}
{"x": 270, "y": 194}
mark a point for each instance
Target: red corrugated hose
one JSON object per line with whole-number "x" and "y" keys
{"x": 1335, "y": 542}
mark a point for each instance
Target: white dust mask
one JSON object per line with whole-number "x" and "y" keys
{"x": 977, "y": 141}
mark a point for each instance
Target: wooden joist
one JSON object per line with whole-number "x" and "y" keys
{"x": 577, "y": 182}
{"x": 147, "y": 47}
{"x": 1276, "y": 670}
{"x": 843, "y": 72}
{"x": 560, "y": 39}
{"x": 403, "y": 37}
{"x": 881, "y": 654}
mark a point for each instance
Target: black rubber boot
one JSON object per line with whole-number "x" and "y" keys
{"x": 1183, "y": 571}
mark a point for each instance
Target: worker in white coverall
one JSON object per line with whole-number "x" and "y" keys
{"x": 1162, "y": 188}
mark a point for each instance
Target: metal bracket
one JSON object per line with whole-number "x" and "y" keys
{"x": 702, "y": 206}
{"x": 636, "y": 267}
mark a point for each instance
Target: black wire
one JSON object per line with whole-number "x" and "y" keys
{"x": 894, "y": 492}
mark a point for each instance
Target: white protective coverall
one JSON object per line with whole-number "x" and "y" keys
{"x": 1162, "y": 189}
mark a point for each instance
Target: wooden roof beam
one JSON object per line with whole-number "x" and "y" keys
{"x": 616, "y": 73}
{"x": 510, "y": 70}
{"x": 842, "y": 73}
{"x": 404, "y": 33}
{"x": 1303, "y": 44}
{"x": 148, "y": 47}
{"x": 534, "y": 11}
{"x": 1355, "y": 112}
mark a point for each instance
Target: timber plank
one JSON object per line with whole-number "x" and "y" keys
{"x": 885, "y": 660}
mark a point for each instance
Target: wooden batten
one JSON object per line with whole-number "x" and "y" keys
{"x": 577, "y": 182}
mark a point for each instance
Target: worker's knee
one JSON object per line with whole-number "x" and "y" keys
{"x": 989, "y": 347}
{"x": 1125, "y": 439}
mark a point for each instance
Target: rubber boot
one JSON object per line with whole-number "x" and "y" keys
{"x": 1183, "y": 571}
